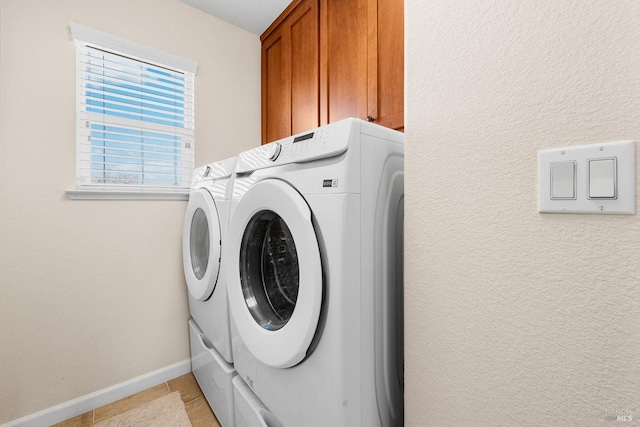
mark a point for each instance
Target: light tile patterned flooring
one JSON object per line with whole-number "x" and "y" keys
{"x": 198, "y": 409}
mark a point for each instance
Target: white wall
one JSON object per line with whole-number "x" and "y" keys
{"x": 92, "y": 292}
{"x": 515, "y": 317}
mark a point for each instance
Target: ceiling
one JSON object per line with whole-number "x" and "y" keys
{"x": 254, "y": 16}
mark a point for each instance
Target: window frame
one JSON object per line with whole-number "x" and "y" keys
{"x": 138, "y": 52}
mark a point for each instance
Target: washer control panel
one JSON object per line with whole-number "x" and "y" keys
{"x": 274, "y": 151}
{"x": 327, "y": 141}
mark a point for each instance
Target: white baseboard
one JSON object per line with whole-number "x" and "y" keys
{"x": 90, "y": 401}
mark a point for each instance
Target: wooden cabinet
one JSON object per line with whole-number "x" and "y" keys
{"x": 385, "y": 50}
{"x": 290, "y": 69}
{"x": 343, "y": 82}
{"x": 325, "y": 60}
{"x": 362, "y": 61}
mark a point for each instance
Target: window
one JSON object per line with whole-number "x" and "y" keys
{"x": 135, "y": 119}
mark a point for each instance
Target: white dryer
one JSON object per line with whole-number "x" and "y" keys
{"x": 315, "y": 276}
{"x": 204, "y": 234}
{"x": 203, "y": 240}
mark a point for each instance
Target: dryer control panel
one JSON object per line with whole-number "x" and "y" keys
{"x": 213, "y": 171}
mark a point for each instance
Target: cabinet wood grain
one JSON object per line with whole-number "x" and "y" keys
{"x": 386, "y": 62}
{"x": 290, "y": 68}
{"x": 344, "y": 59}
{"x": 326, "y": 60}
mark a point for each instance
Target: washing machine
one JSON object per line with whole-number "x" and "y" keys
{"x": 204, "y": 235}
{"x": 314, "y": 276}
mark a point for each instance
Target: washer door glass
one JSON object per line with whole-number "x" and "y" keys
{"x": 274, "y": 273}
{"x": 199, "y": 243}
{"x": 269, "y": 271}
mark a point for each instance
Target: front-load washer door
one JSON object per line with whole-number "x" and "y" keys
{"x": 274, "y": 280}
{"x": 201, "y": 245}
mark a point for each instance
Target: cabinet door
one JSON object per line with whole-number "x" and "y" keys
{"x": 343, "y": 53}
{"x": 305, "y": 68}
{"x": 276, "y": 101}
{"x": 290, "y": 67}
{"x": 385, "y": 98}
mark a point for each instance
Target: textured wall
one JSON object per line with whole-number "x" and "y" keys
{"x": 515, "y": 317}
{"x": 92, "y": 293}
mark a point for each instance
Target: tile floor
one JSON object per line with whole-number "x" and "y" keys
{"x": 198, "y": 409}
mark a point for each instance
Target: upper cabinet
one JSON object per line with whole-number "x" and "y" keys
{"x": 385, "y": 50}
{"x": 290, "y": 72}
{"x": 325, "y": 60}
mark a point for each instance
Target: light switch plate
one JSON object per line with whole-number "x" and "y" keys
{"x": 625, "y": 201}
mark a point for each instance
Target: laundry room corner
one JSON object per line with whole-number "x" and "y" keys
{"x": 515, "y": 317}
{"x": 92, "y": 292}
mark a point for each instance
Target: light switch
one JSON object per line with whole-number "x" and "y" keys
{"x": 563, "y": 180}
{"x": 597, "y": 178}
{"x": 602, "y": 178}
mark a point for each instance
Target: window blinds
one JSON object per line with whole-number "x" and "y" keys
{"x": 135, "y": 122}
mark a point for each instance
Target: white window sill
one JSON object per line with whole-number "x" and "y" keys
{"x": 125, "y": 195}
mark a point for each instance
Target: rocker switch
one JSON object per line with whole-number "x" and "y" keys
{"x": 563, "y": 180}
{"x": 603, "y": 178}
